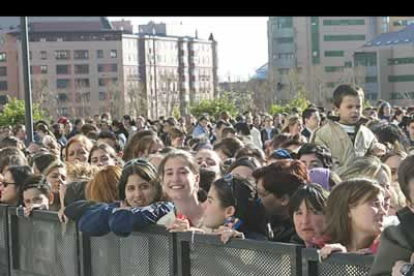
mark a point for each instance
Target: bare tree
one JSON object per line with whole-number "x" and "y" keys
{"x": 114, "y": 98}
{"x": 45, "y": 97}
{"x": 138, "y": 104}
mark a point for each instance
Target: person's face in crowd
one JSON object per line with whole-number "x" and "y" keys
{"x": 56, "y": 177}
{"x": 272, "y": 204}
{"x": 214, "y": 214}
{"x": 268, "y": 122}
{"x": 9, "y": 194}
{"x": 126, "y": 123}
{"x": 249, "y": 119}
{"x": 368, "y": 217}
{"x": 411, "y": 130}
{"x": 80, "y": 125}
{"x": 34, "y": 197}
{"x": 155, "y": 148}
{"x": 138, "y": 192}
{"x": 400, "y": 117}
{"x": 277, "y": 120}
{"x": 394, "y": 163}
{"x": 314, "y": 121}
{"x": 178, "y": 142}
{"x": 387, "y": 110}
{"x": 308, "y": 223}
{"x": 105, "y": 127}
{"x": 209, "y": 160}
{"x": 257, "y": 122}
{"x": 349, "y": 110}
{"x": 204, "y": 123}
{"x": 311, "y": 161}
{"x": 21, "y": 134}
{"x": 96, "y": 119}
{"x": 101, "y": 158}
{"x": 221, "y": 154}
{"x": 68, "y": 128}
{"x": 77, "y": 153}
{"x": 244, "y": 172}
{"x": 179, "y": 181}
{"x": 41, "y": 133}
{"x": 108, "y": 141}
{"x": 140, "y": 123}
{"x": 296, "y": 128}
{"x": 385, "y": 182}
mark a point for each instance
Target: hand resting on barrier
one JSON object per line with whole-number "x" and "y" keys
{"x": 328, "y": 249}
{"x": 399, "y": 267}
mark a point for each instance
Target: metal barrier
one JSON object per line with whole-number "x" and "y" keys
{"x": 41, "y": 245}
{"x": 207, "y": 255}
{"x": 149, "y": 252}
{"x": 337, "y": 264}
{"x": 4, "y": 242}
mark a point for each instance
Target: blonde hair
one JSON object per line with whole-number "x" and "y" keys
{"x": 367, "y": 166}
{"x": 290, "y": 121}
{"x": 82, "y": 139}
{"x": 103, "y": 187}
{"x": 80, "y": 171}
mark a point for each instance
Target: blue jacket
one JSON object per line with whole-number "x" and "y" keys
{"x": 100, "y": 219}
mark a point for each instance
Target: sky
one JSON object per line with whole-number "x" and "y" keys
{"x": 242, "y": 41}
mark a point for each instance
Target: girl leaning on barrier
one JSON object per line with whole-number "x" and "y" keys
{"x": 354, "y": 218}
{"x": 141, "y": 203}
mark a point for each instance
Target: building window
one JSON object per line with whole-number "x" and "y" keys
{"x": 43, "y": 55}
{"x": 62, "y": 69}
{"x": 82, "y": 69}
{"x": 102, "y": 96}
{"x": 3, "y": 86}
{"x": 340, "y": 22}
{"x": 62, "y": 83}
{"x": 365, "y": 59}
{"x": 401, "y": 78}
{"x": 3, "y": 57}
{"x": 100, "y": 53}
{"x": 102, "y": 82}
{"x": 101, "y": 68}
{"x": 344, "y": 38}
{"x": 283, "y": 40}
{"x": 348, "y": 64}
{"x": 113, "y": 54}
{"x": 114, "y": 67}
{"x": 82, "y": 83}
{"x": 399, "y": 61}
{"x": 30, "y": 55}
{"x": 3, "y": 71}
{"x": 370, "y": 79}
{"x": 62, "y": 54}
{"x": 114, "y": 80}
{"x": 43, "y": 69}
{"x": 331, "y": 69}
{"x": 334, "y": 53}
{"x": 62, "y": 97}
{"x": 81, "y": 54}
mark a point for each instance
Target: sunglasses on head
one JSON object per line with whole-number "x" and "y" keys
{"x": 139, "y": 161}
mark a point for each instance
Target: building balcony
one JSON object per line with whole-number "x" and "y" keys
{"x": 284, "y": 32}
{"x": 284, "y": 48}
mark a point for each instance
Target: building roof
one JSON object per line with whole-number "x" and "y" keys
{"x": 53, "y": 24}
{"x": 405, "y": 36}
{"x": 261, "y": 73}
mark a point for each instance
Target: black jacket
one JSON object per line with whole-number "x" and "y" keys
{"x": 280, "y": 230}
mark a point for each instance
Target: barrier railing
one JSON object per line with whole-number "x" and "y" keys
{"x": 4, "y": 242}
{"x": 42, "y": 246}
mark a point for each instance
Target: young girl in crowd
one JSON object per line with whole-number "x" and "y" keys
{"x": 13, "y": 180}
{"x": 103, "y": 155}
{"x": 36, "y": 194}
{"x": 141, "y": 204}
{"x": 103, "y": 187}
{"x": 354, "y": 217}
{"x": 244, "y": 168}
{"x": 307, "y": 207}
{"x": 179, "y": 173}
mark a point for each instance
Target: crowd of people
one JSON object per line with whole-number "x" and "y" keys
{"x": 340, "y": 180}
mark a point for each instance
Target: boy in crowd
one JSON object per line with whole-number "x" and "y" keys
{"x": 346, "y": 137}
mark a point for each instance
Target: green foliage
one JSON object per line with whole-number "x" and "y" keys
{"x": 176, "y": 112}
{"x": 14, "y": 113}
{"x": 300, "y": 102}
{"x": 214, "y": 107}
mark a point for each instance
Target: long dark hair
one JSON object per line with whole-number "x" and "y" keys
{"x": 237, "y": 192}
